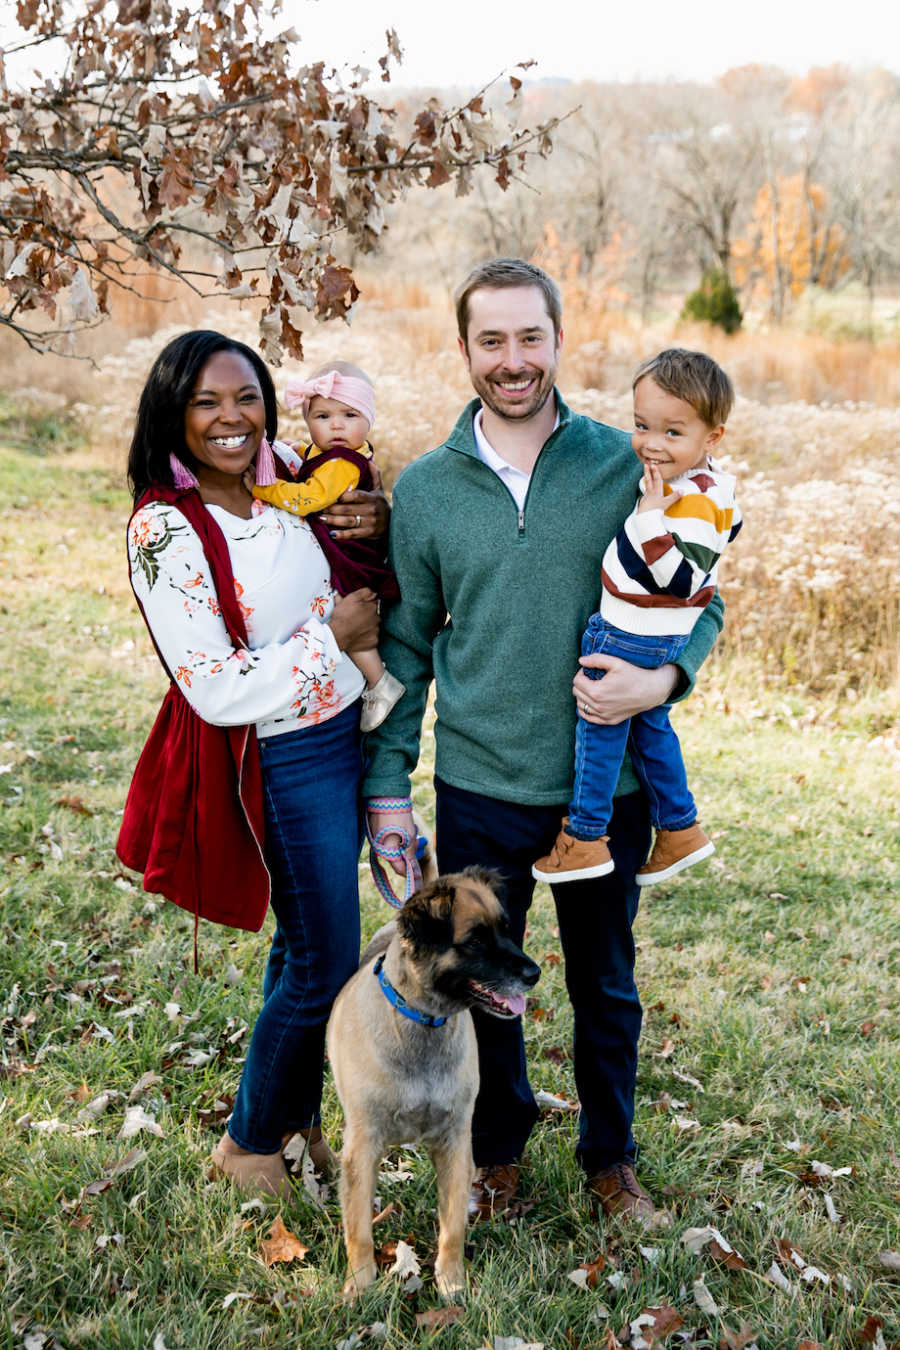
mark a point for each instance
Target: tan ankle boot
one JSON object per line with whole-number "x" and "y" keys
{"x": 263, "y": 1172}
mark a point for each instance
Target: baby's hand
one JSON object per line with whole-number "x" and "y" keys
{"x": 655, "y": 497}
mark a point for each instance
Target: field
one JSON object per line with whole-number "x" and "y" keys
{"x": 769, "y": 1082}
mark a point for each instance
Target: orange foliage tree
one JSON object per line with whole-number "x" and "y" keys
{"x": 791, "y": 243}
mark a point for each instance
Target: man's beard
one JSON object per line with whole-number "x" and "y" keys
{"x": 514, "y": 411}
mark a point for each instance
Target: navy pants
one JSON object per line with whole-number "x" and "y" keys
{"x": 313, "y": 834}
{"x": 595, "y": 919}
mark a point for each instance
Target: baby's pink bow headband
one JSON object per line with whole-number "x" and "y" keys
{"x": 349, "y": 389}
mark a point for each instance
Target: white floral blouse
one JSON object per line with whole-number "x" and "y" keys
{"x": 294, "y": 673}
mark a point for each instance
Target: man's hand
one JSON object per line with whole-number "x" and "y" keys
{"x": 357, "y": 514}
{"x": 401, "y": 819}
{"x": 623, "y": 691}
{"x": 655, "y": 498}
{"x": 354, "y": 621}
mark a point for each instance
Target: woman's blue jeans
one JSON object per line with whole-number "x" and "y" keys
{"x": 313, "y": 833}
{"x": 649, "y": 737}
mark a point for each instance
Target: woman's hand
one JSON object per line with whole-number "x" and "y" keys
{"x": 357, "y": 514}
{"x": 354, "y": 621}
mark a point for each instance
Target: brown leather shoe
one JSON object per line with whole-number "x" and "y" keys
{"x": 493, "y": 1191}
{"x": 673, "y": 851}
{"x": 572, "y": 859}
{"x": 620, "y": 1193}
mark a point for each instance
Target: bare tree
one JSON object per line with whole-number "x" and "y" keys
{"x": 170, "y": 140}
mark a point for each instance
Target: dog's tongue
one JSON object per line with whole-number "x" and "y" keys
{"x": 515, "y": 1003}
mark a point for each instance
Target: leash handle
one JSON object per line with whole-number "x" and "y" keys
{"x": 378, "y": 849}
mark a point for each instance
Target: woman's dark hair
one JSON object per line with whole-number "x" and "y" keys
{"x": 159, "y": 427}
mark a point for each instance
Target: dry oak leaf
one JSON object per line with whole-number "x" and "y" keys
{"x": 871, "y": 1333}
{"x": 435, "y": 1318}
{"x": 281, "y": 1245}
{"x": 585, "y": 1276}
{"x": 810, "y": 1345}
{"x": 654, "y": 1324}
{"x": 737, "y": 1340}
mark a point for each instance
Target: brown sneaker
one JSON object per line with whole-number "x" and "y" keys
{"x": 620, "y": 1193}
{"x": 493, "y": 1190}
{"x": 572, "y": 859}
{"x": 673, "y": 850}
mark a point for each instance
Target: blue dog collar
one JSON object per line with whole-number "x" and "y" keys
{"x": 399, "y": 1002}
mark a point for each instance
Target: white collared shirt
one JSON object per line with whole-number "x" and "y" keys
{"x": 515, "y": 480}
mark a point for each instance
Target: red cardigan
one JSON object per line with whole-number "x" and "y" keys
{"x": 194, "y": 822}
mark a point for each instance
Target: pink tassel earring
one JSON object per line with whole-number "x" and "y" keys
{"x": 265, "y": 464}
{"x": 181, "y": 476}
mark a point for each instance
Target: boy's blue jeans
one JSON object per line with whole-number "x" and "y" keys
{"x": 649, "y": 737}
{"x": 313, "y": 835}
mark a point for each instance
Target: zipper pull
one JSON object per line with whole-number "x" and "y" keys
{"x": 522, "y": 520}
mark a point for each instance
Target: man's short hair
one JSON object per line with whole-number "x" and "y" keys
{"x": 502, "y": 273}
{"x": 693, "y": 377}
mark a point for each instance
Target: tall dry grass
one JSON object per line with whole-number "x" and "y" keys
{"x": 810, "y": 584}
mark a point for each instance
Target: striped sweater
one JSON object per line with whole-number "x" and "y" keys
{"x": 659, "y": 573}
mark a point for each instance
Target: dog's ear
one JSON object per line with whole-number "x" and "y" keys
{"x": 425, "y": 920}
{"x": 488, "y": 876}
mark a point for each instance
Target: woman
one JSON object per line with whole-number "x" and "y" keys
{"x": 238, "y": 599}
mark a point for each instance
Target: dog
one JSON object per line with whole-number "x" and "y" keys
{"x": 401, "y": 1042}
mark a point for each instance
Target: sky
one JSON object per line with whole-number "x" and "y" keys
{"x": 469, "y": 41}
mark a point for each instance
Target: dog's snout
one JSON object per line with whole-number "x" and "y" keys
{"x": 531, "y": 973}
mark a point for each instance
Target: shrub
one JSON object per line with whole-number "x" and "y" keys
{"x": 714, "y": 301}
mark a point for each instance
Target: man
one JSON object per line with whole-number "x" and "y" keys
{"x": 497, "y": 538}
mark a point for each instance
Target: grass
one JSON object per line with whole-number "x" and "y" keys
{"x": 769, "y": 980}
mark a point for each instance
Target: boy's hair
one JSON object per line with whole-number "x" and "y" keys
{"x": 693, "y": 377}
{"x": 500, "y": 274}
{"x": 342, "y": 368}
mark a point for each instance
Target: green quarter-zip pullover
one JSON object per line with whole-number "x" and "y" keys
{"x": 493, "y": 604}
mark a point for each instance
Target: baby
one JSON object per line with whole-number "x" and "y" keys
{"x": 338, "y": 402}
{"x": 658, "y": 575}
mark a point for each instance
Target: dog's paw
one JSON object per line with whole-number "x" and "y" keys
{"x": 451, "y": 1284}
{"x": 360, "y": 1279}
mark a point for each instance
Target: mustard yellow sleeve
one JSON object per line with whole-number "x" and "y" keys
{"x": 320, "y": 489}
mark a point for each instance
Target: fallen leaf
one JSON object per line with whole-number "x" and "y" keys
{"x": 75, "y": 804}
{"x": 435, "y": 1318}
{"x": 585, "y": 1276}
{"x": 233, "y": 1297}
{"x": 810, "y": 1345}
{"x": 791, "y": 1254}
{"x": 659, "y": 1321}
{"x": 666, "y": 1049}
{"x": 384, "y": 1213}
{"x": 890, "y": 1260}
{"x": 824, "y": 1170}
{"x": 281, "y": 1245}
{"x": 871, "y": 1333}
{"x": 724, "y": 1252}
{"x": 775, "y": 1275}
{"x": 550, "y": 1102}
{"x": 688, "y": 1078}
{"x": 704, "y": 1299}
{"x": 736, "y": 1340}
{"x": 406, "y": 1263}
{"x": 830, "y": 1210}
{"x": 137, "y": 1119}
{"x": 146, "y": 1080}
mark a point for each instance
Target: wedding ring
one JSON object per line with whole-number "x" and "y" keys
{"x": 358, "y": 521}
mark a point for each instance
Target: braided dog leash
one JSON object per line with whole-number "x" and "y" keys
{"x": 378, "y": 850}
